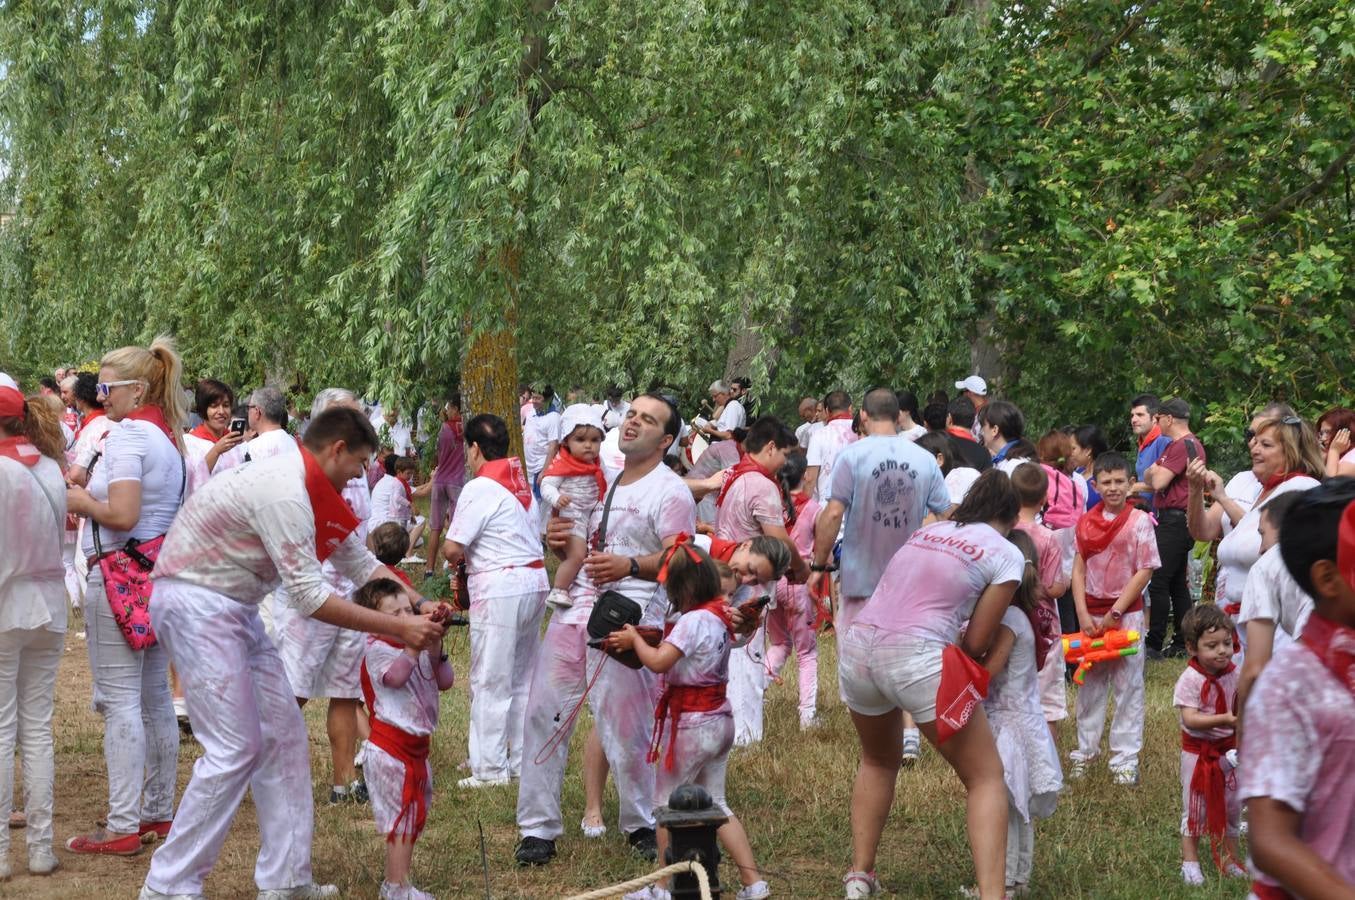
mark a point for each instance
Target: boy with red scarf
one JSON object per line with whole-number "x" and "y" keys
{"x": 1298, "y": 747}
{"x": 1206, "y": 695}
{"x": 1116, "y": 555}
{"x": 400, "y": 686}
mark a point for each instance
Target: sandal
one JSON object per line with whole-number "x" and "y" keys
{"x": 101, "y": 843}
{"x": 590, "y": 830}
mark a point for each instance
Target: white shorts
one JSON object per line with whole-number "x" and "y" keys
{"x": 385, "y": 777}
{"x": 882, "y": 671}
{"x": 700, "y": 756}
{"x": 321, "y": 660}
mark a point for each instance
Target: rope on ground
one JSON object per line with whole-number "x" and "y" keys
{"x": 625, "y": 887}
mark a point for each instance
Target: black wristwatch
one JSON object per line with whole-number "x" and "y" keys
{"x": 634, "y": 567}
{"x": 826, "y": 567}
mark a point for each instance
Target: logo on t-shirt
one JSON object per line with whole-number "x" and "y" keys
{"x": 893, "y": 486}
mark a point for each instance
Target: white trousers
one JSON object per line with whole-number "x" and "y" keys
{"x": 747, "y": 683}
{"x": 252, "y": 736}
{"x": 1124, "y": 677}
{"x": 75, "y": 578}
{"x": 28, "y": 664}
{"x": 1020, "y": 848}
{"x": 622, "y": 703}
{"x": 504, "y": 644}
{"x": 141, "y": 732}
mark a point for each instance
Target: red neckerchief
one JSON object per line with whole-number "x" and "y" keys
{"x": 155, "y": 415}
{"x": 510, "y": 475}
{"x": 567, "y": 465}
{"x": 96, "y": 413}
{"x": 798, "y": 501}
{"x": 1153, "y": 434}
{"x": 1212, "y": 683}
{"x": 963, "y": 434}
{"x": 409, "y": 491}
{"x": 964, "y": 685}
{"x": 205, "y": 433}
{"x": 1334, "y": 645}
{"x": 409, "y": 749}
{"x": 1095, "y": 534}
{"x": 21, "y": 450}
{"x": 400, "y": 574}
{"x": 839, "y": 415}
{"x": 334, "y": 521}
{"x": 745, "y": 466}
{"x": 683, "y": 698}
{"x": 1278, "y": 479}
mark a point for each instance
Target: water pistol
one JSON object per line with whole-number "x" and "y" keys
{"x": 1088, "y": 651}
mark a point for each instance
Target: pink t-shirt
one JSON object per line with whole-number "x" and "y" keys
{"x": 933, "y": 582}
{"x": 802, "y": 532}
{"x": 1187, "y": 696}
{"x": 1299, "y": 748}
{"x": 1050, "y": 555}
{"x": 752, "y": 502}
{"x": 1134, "y": 548}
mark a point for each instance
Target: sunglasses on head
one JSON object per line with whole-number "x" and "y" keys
{"x": 1248, "y": 433}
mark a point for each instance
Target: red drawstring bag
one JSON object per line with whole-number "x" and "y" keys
{"x": 964, "y": 684}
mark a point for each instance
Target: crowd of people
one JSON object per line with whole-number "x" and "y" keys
{"x": 234, "y": 562}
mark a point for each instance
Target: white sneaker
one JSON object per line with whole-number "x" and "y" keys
{"x": 860, "y": 885}
{"x": 810, "y": 721}
{"x": 300, "y": 892}
{"x": 403, "y": 892}
{"x": 473, "y": 782}
{"x": 41, "y": 861}
{"x": 1077, "y": 768}
{"x": 559, "y": 598}
{"x": 758, "y": 890}
{"x": 912, "y": 747}
{"x": 649, "y": 892}
{"x": 148, "y": 893}
{"x": 1233, "y": 870}
{"x": 360, "y": 755}
{"x": 1191, "y": 874}
{"x": 412, "y": 561}
{"x": 1127, "y": 776}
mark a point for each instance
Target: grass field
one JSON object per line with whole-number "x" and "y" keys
{"x": 791, "y": 792}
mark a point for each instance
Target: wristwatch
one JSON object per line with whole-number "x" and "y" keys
{"x": 634, "y": 567}
{"x": 1116, "y": 615}
{"x": 826, "y": 567}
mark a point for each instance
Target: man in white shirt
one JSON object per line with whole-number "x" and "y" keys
{"x": 731, "y": 412}
{"x": 811, "y": 412}
{"x": 496, "y": 531}
{"x": 826, "y": 444}
{"x": 244, "y": 533}
{"x": 540, "y": 439}
{"x": 649, "y": 507}
{"x": 268, "y": 421}
{"x": 613, "y": 409}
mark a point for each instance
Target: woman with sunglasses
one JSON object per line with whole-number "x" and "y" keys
{"x": 1285, "y": 457}
{"x": 1334, "y": 430}
{"x": 133, "y": 494}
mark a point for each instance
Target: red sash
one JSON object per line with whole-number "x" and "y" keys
{"x": 1153, "y": 434}
{"x": 963, "y": 434}
{"x": 205, "y": 433}
{"x": 964, "y": 685}
{"x": 334, "y": 521}
{"x": 510, "y": 474}
{"x": 1207, "y": 811}
{"x": 684, "y": 698}
{"x": 566, "y": 465}
{"x": 1095, "y": 534}
{"x": 156, "y": 416}
{"x": 410, "y": 749}
{"x": 745, "y": 466}
{"x": 96, "y": 413}
{"x": 21, "y": 450}
{"x": 1333, "y": 644}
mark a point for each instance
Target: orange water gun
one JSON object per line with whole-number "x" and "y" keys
{"x": 1088, "y": 651}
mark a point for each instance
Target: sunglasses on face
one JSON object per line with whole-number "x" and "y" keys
{"x": 104, "y": 387}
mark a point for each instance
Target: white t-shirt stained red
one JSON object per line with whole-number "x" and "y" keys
{"x": 502, "y": 540}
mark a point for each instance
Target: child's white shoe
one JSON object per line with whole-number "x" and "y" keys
{"x": 1191, "y": 874}
{"x": 860, "y": 885}
{"x": 1077, "y": 768}
{"x": 912, "y": 747}
{"x": 592, "y": 831}
{"x": 649, "y": 892}
{"x": 758, "y": 890}
{"x": 559, "y": 599}
{"x": 1128, "y": 776}
{"x": 1233, "y": 870}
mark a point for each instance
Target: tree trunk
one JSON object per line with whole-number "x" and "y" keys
{"x": 489, "y": 371}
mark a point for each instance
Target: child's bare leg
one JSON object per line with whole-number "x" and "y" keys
{"x": 399, "y": 852}
{"x": 735, "y": 841}
{"x": 594, "y": 778}
{"x": 575, "y": 551}
{"x": 1190, "y": 848}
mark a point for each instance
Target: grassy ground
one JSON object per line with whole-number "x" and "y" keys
{"x": 791, "y": 792}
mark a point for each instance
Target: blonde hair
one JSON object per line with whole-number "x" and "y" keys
{"x": 160, "y": 367}
{"x": 41, "y": 424}
{"x": 1298, "y": 442}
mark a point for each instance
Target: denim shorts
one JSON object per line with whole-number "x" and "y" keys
{"x": 882, "y": 671}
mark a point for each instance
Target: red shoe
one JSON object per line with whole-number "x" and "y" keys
{"x": 154, "y": 831}
{"x": 122, "y": 845}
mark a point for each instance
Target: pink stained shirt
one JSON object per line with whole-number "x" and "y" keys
{"x": 1299, "y": 748}
{"x": 752, "y": 502}
{"x": 1187, "y": 696}
{"x": 1134, "y": 548}
{"x": 933, "y": 581}
{"x": 1050, "y": 556}
{"x": 802, "y": 532}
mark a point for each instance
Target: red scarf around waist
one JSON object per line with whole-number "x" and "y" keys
{"x": 511, "y": 476}
{"x": 1095, "y": 533}
{"x": 1207, "y": 811}
{"x": 963, "y": 434}
{"x": 409, "y": 749}
{"x": 567, "y": 465}
{"x": 156, "y": 416}
{"x": 745, "y": 466}
{"x": 684, "y": 698}
{"x": 20, "y": 449}
{"x": 334, "y": 521}
{"x": 1153, "y": 434}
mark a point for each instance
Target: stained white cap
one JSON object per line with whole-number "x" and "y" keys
{"x": 974, "y": 384}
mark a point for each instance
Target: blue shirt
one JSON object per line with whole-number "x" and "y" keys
{"x": 888, "y": 485}
{"x": 1147, "y": 456}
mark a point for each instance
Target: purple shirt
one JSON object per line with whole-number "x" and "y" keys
{"x": 451, "y": 455}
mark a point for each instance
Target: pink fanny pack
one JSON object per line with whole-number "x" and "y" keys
{"x": 127, "y": 583}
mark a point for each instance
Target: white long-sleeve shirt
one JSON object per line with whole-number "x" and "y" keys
{"x": 251, "y": 529}
{"x": 32, "y": 522}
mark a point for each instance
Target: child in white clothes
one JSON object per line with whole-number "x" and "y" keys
{"x": 1030, "y": 761}
{"x": 1205, "y": 694}
{"x": 573, "y": 485}
{"x": 400, "y": 686}
{"x": 693, "y": 723}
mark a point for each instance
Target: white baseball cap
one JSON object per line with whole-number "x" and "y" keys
{"x": 974, "y": 384}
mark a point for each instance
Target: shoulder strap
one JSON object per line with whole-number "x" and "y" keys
{"x": 56, "y": 514}
{"x": 606, "y": 513}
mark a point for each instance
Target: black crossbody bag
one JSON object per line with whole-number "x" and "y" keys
{"x": 612, "y": 610}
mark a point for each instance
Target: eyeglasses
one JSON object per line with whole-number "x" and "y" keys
{"x": 104, "y": 387}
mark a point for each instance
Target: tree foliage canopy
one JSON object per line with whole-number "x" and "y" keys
{"x": 1085, "y": 199}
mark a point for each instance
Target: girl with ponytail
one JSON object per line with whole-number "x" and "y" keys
{"x": 133, "y": 493}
